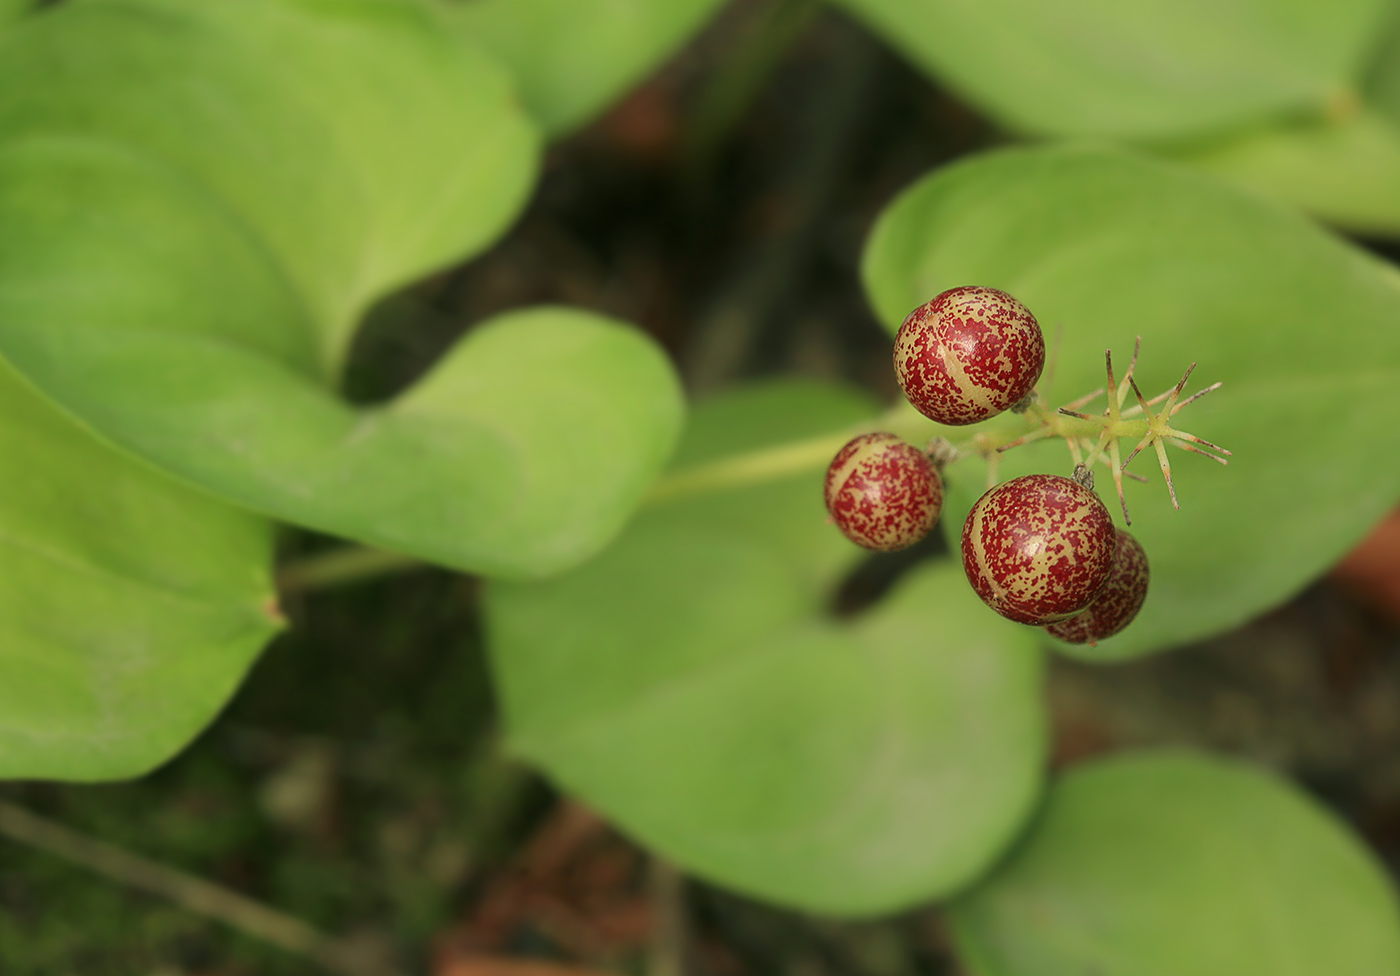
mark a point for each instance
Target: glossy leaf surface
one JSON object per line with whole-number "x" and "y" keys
{"x": 197, "y": 201}
{"x": 1160, "y": 864}
{"x": 571, "y": 58}
{"x": 690, "y": 684}
{"x": 1153, "y": 69}
{"x": 1299, "y": 326}
{"x": 130, "y": 606}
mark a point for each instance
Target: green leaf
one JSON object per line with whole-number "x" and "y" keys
{"x": 1300, "y": 327}
{"x": 1382, "y": 83}
{"x": 573, "y": 57}
{"x": 130, "y": 606}
{"x": 197, "y": 202}
{"x": 1346, "y": 172}
{"x": 689, "y": 684}
{"x": 1343, "y": 167}
{"x": 14, "y": 9}
{"x": 1165, "y": 864}
{"x": 1151, "y": 69}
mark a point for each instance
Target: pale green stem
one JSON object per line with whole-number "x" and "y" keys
{"x": 354, "y": 563}
{"x": 755, "y": 467}
{"x": 779, "y": 461}
{"x": 337, "y": 567}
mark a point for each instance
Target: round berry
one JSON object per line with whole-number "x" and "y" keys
{"x": 883, "y": 493}
{"x": 968, "y": 354}
{"x": 1121, "y": 599}
{"x": 1038, "y": 549}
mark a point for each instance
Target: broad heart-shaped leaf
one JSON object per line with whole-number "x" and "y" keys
{"x": 130, "y": 605}
{"x": 572, "y": 57}
{"x": 1300, "y": 327}
{"x": 689, "y": 684}
{"x": 196, "y": 203}
{"x": 1346, "y": 172}
{"x": 1149, "y": 69}
{"x": 1162, "y": 864}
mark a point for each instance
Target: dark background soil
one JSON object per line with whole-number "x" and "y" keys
{"x": 355, "y": 781}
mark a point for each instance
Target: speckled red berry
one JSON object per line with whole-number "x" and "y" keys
{"x": 1121, "y": 599}
{"x": 1038, "y": 549}
{"x": 883, "y": 493}
{"x": 968, "y": 354}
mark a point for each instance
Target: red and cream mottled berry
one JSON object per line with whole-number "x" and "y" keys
{"x": 1121, "y": 599}
{"x": 1038, "y": 549}
{"x": 883, "y": 493}
{"x": 968, "y": 354}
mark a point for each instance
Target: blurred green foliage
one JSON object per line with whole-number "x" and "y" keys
{"x": 570, "y": 60}
{"x": 198, "y": 202}
{"x": 353, "y": 783}
{"x": 1155, "y": 864}
{"x": 127, "y": 615}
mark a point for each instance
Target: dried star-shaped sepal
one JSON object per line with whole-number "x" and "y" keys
{"x": 1081, "y": 447}
{"x": 1159, "y": 430}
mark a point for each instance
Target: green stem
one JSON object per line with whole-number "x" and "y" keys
{"x": 795, "y": 457}
{"x": 754, "y": 467}
{"x": 779, "y": 461}
{"x": 339, "y": 567}
{"x": 353, "y": 563}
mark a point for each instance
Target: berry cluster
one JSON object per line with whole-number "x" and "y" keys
{"x": 1042, "y": 549}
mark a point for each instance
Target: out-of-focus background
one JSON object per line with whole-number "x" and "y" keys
{"x": 356, "y": 782}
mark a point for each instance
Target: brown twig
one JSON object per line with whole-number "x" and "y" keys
{"x": 667, "y": 952}
{"x": 193, "y": 894}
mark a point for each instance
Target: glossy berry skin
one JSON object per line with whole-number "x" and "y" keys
{"x": 883, "y": 493}
{"x": 1118, "y": 604}
{"x": 968, "y": 354}
{"x": 1038, "y": 549}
